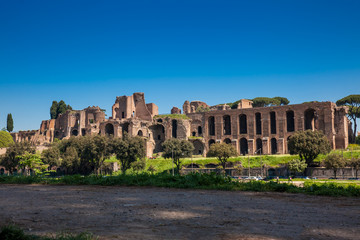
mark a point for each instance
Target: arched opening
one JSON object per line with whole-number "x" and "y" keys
{"x": 159, "y": 120}
{"x": 193, "y": 165}
{"x": 198, "y": 148}
{"x": 140, "y": 133}
{"x": 259, "y": 146}
{"x": 158, "y": 133}
{"x": 109, "y": 129}
{"x": 199, "y": 130}
{"x": 174, "y": 128}
{"x": 273, "y": 122}
{"x": 258, "y": 123}
{"x": 125, "y": 128}
{"x": 243, "y": 146}
{"x": 271, "y": 172}
{"x": 227, "y": 141}
{"x": 273, "y": 146}
{"x": 74, "y": 132}
{"x": 290, "y": 121}
{"x": 211, "y": 121}
{"x": 83, "y": 132}
{"x": 211, "y": 141}
{"x": 227, "y": 125}
{"x": 310, "y": 119}
{"x": 243, "y": 124}
{"x": 193, "y": 134}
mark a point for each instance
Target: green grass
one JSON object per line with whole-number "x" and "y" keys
{"x": 174, "y": 116}
{"x": 11, "y": 232}
{"x": 193, "y": 181}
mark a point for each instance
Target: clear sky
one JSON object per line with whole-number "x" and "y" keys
{"x": 88, "y": 52}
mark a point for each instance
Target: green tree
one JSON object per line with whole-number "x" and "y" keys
{"x": 177, "y": 149}
{"x": 297, "y": 165}
{"x": 31, "y": 161}
{"x": 11, "y": 158}
{"x": 9, "y": 123}
{"x": 51, "y": 156}
{"x": 355, "y": 164}
{"x": 222, "y": 152}
{"x": 53, "y": 110}
{"x": 58, "y": 108}
{"x": 139, "y": 165}
{"x": 102, "y": 151}
{"x": 334, "y": 161}
{"x": 5, "y": 139}
{"x": 70, "y": 160}
{"x": 353, "y": 102}
{"x": 283, "y": 100}
{"x": 128, "y": 150}
{"x": 308, "y": 144}
{"x": 265, "y": 102}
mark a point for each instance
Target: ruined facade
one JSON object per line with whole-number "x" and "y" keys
{"x": 264, "y": 130}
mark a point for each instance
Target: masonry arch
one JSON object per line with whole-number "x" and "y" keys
{"x": 243, "y": 146}
{"x": 227, "y": 140}
{"x": 290, "y": 121}
{"x": 227, "y": 125}
{"x": 109, "y": 129}
{"x": 140, "y": 133}
{"x": 125, "y": 128}
{"x": 243, "y": 124}
{"x": 259, "y": 145}
{"x": 174, "y": 125}
{"x": 211, "y": 123}
{"x": 258, "y": 123}
{"x": 158, "y": 135}
{"x": 198, "y": 147}
{"x": 274, "y": 148}
{"x": 273, "y": 122}
{"x": 310, "y": 119}
{"x": 199, "y": 130}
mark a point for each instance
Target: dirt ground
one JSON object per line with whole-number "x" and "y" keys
{"x": 158, "y": 213}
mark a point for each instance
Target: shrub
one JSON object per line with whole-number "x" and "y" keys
{"x": 5, "y": 139}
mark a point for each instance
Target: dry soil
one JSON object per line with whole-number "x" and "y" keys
{"x": 159, "y": 213}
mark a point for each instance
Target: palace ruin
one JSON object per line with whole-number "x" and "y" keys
{"x": 250, "y": 130}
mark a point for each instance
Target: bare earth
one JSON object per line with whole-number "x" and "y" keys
{"x": 158, "y": 213}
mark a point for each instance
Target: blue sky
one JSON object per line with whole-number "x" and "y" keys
{"x": 89, "y": 52}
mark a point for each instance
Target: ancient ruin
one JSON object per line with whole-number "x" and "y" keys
{"x": 264, "y": 130}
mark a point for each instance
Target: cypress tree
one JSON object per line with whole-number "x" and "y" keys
{"x": 10, "y": 123}
{"x": 53, "y": 110}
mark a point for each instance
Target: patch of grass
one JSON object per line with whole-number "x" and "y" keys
{"x": 174, "y": 116}
{"x": 11, "y": 232}
{"x": 195, "y": 181}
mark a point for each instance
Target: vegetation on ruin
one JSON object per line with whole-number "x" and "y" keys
{"x": 353, "y": 102}
{"x": 5, "y": 139}
{"x": 263, "y": 102}
{"x": 173, "y": 116}
{"x": 9, "y": 123}
{"x": 58, "y": 108}
{"x": 309, "y": 144}
{"x": 12, "y": 232}
{"x": 193, "y": 181}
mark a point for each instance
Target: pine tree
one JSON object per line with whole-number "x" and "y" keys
{"x": 10, "y": 123}
{"x": 53, "y": 110}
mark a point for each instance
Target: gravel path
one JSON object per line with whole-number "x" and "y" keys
{"x": 158, "y": 213}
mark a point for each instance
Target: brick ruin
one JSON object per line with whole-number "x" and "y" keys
{"x": 250, "y": 130}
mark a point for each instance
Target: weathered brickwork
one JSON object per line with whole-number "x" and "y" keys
{"x": 250, "y": 130}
